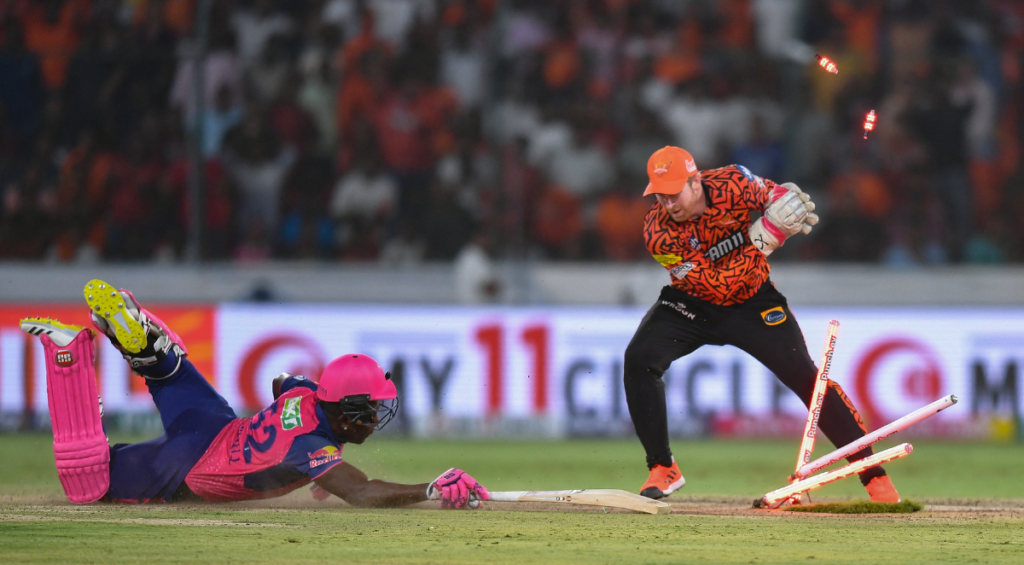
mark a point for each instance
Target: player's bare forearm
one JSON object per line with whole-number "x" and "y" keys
{"x": 354, "y": 487}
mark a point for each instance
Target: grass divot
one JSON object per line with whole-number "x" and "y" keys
{"x": 858, "y": 507}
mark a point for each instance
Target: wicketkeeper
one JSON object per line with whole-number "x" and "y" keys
{"x": 207, "y": 452}
{"x": 701, "y": 230}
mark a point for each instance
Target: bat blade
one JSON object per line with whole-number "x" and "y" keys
{"x": 613, "y": 498}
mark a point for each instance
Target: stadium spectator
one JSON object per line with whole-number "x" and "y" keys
{"x": 401, "y": 76}
{"x": 258, "y": 162}
{"x": 763, "y": 155}
{"x": 449, "y": 223}
{"x": 318, "y": 92}
{"x": 365, "y": 192}
{"x": 21, "y": 85}
{"x": 462, "y": 68}
{"x": 939, "y": 121}
{"x": 52, "y": 32}
{"x": 267, "y": 75}
{"x": 558, "y": 223}
{"x": 256, "y": 26}
{"x": 293, "y": 124}
{"x": 130, "y": 230}
{"x": 220, "y": 69}
{"x": 620, "y": 220}
{"x": 476, "y": 278}
{"x": 406, "y": 249}
{"x": 307, "y": 231}
{"x": 581, "y": 167}
{"x": 218, "y": 119}
{"x": 26, "y": 209}
{"x": 408, "y": 122}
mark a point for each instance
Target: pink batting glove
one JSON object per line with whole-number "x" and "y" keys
{"x": 456, "y": 489}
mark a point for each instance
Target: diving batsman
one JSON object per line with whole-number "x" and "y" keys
{"x": 208, "y": 453}
{"x": 703, "y": 231}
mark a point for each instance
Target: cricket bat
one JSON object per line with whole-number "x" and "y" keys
{"x": 594, "y": 497}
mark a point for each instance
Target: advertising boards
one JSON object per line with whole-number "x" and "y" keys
{"x": 520, "y": 371}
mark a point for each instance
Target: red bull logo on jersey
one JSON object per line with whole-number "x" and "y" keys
{"x": 291, "y": 414}
{"x": 324, "y": 456}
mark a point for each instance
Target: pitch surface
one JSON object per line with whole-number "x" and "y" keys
{"x": 974, "y": 511}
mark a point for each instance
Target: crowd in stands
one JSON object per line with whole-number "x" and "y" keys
{"x": 402, "y": 131}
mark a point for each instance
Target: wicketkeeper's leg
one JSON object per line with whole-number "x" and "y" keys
{"x": 781, "y": 348}
{"x": 664, "y": 335}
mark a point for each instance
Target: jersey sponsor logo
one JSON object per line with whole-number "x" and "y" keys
{"x": 726, "y": 220}
{"x": 324, "y": 456}
{"x": 64, "y": 358}
{"x": 725, "y": 246}
{"x": 774, "y": 316}
{"x": 751, "y": 176}
{"x": 667, "y": 259}
{"x": 291, "y": 416}
{"x": 680, "y": 271}
{"x": 694, "y": 243}
{"x": 679, "y": 307}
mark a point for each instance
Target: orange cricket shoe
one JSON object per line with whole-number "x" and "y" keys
{"x": 663, "y": 481}
{"x": 881, "y": 490}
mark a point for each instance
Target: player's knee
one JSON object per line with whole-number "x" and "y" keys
{"x": 638, "y": 361}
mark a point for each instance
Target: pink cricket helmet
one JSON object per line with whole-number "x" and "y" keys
{"x": 355, "y": 374}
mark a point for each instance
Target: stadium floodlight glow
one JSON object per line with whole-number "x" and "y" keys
{"x": 776, "y": 497}
{"x": 876, "y": 436}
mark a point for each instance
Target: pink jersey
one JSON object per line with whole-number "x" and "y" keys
{"x": 276, "y": 451}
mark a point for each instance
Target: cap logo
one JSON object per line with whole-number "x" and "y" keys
{"x": 661, "y": 168}
{"x": 690, "y": 166}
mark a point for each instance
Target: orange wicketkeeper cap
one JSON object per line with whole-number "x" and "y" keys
{"x": 668, "y": 169}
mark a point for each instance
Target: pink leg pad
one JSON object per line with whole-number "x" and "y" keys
{"x": 79, "y": 444}
{"x": 170, "y": 333}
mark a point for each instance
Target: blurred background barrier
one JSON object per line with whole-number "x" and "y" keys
{"x": 557, "y": 371}
{"x": 521, "y": 283}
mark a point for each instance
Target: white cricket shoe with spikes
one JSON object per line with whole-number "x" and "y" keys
{"x": 61, "y": 334}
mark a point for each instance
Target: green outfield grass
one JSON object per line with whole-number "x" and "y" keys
{"x": 36, "y": 528}
{"x": 728, "y": 468}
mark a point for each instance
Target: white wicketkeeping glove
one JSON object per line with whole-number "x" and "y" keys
{"x": 762, "y": 238}
{"x": 793, "y": 212}
{"x": 790, "y": 213}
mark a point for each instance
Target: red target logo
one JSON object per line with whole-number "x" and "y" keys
{"x": 918, "y": 378}
{"x": 64, "y": 358}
